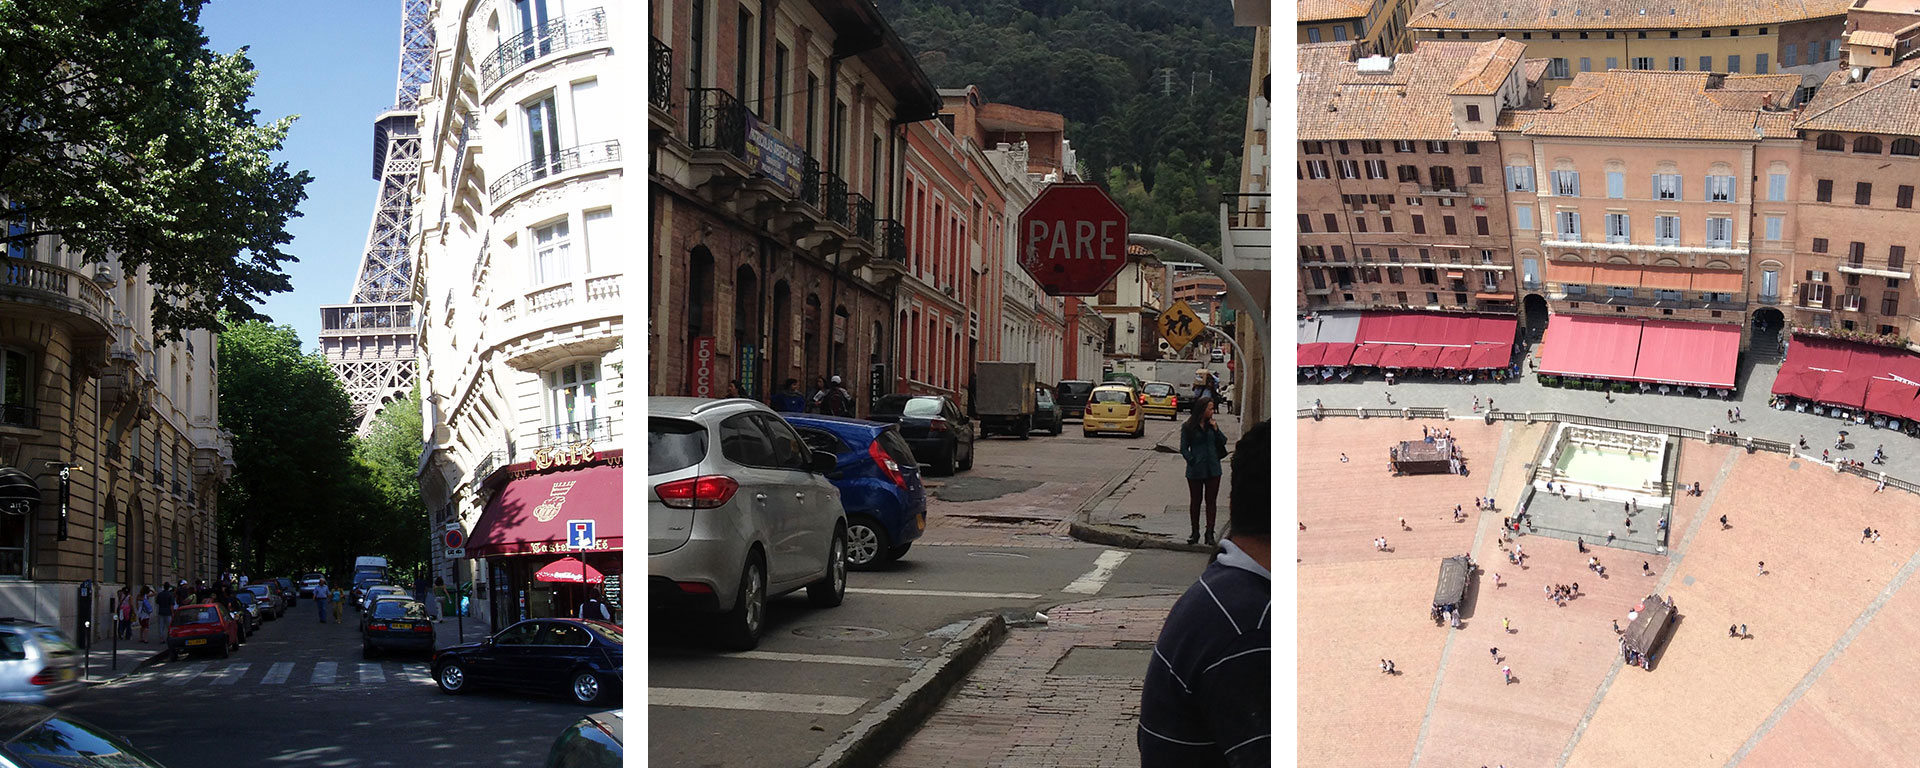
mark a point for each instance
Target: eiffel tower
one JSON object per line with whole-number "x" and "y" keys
{"x": 372, "y": 342}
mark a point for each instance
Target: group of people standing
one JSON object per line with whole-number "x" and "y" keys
{"x": 147, "y": 606}
{"x": 829, "y": 396}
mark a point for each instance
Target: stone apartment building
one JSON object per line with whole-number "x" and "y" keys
{"x": 1372, "y": 27}
{"x": 1401, "y": 198}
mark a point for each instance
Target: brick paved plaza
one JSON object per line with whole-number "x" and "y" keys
{"x": 1820, "y": 682}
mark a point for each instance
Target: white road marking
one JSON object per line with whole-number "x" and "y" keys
{"x": 232, "y": 674}
{"x": 1103, "y": 568}
{"x": 371, "y": 673}
{"x": 416, "y": 674}
{"x": 277, "y": 673}
{"x": 943, "y": 593}
{"x": 821, "y": 658}
{"x": 323, "y": 672}
{"x": 754, "y": 700}
{"x": 191, "y": 671}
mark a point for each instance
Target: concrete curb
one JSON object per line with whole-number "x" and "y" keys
{"x": 96, "y": 679}
{"x": 885, "y": 728}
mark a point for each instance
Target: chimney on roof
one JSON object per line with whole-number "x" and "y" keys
{"x": 1766, "y": 102}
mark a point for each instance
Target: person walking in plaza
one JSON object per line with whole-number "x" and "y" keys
{"x": 1507, "y": 672}
{"x": 144, "y": 610}
{"x": 1203, "y": 445}
{"x": 320, "y": 595}
{"x": 1205, "y": 700}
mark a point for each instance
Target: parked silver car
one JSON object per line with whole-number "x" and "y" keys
{"x": 38, "y": 664}
{"x": 739, "y": 511}
{"x": 272, "y": 607}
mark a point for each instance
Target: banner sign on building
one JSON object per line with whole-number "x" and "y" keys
{"x": 702, "y": 366}
{"x": 772, "y": 156}
{"x": 876, "y": 385}
{"x": 749, "y": 370}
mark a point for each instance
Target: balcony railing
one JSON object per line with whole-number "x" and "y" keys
{"x": 76, "y": 288}
{"x": 568, "y": 159}
{"x": 19, "y": 416}
{"x": 893, "y": 241}
{"x": 718, "y": 121}
{"x": 662, "y": 73}
{"x": 810, "y": 181}
{"x": 1767, "y": 300}
{"x": 603, "y": 289}
{"x": 489, "y": 463}
{"x": 578, "y": 30}
{"x": 591, "y": 430}
{"x": 547, "y": 299}
{"x": 862, "y": 211}
{"x": 836, "y": 196}
{"x": 1246, "y": 211}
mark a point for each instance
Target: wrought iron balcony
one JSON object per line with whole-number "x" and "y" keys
{"x": 893, "y": 241}
{"x": 836, "y": 197}
{"x": 662, "y": 76}
{"x": 578, "y": 30}
{"x": 810, "y": 181}
{"x": 590, "y": 430}
{"x": 489, "y": 463}
{"x": 862, "y": 211}
{"x": 718, "y": 121}
{"x": 19, "y": 416}
{"x": 582, "y": 156}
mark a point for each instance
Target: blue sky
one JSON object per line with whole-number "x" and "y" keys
{"x": 333, "y": 63}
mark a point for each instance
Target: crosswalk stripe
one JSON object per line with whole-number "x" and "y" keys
{"x": 1103, "y": 567}
{"x": 754, "y": 700}
{"x": 822, "y": 658}
{"x": 943, "y": 593}
{"x": 278, "y": 673}
{"x": 414, "y": 674}
{"x": 188, "y": 673}
{"x": 232, "y": 674}
{"x": 371, "y": 673}
{"x": 323, "y": 672}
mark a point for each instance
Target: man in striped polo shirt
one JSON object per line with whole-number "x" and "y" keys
{"x": 1206, "y": 700}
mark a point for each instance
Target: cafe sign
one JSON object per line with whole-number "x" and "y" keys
{"x": 565, "y": 455}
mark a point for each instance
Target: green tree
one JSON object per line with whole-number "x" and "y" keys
{"x": 121, "y": 133}
{"x": 296, "y": 499}
{"x": 388, "y": 456}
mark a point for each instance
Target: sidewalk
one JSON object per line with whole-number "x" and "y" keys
{"x": 1148, "y": 508}
{"x": 100, "y": 663}
{"x": 1066, "y": 694}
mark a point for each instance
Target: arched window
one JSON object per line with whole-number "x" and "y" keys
{"x": 1906, "y": 147}
{"x": 1866, "y": 145}
{"x": 1831, "y": 142}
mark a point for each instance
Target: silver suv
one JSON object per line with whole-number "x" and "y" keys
{"x": 38, "y": 664}
{"x": 739, "y": 510}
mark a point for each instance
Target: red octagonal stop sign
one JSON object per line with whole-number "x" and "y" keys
{"x": 1073, "y": 239}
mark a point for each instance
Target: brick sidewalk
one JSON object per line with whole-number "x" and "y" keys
{"x": 1023, "y": 707}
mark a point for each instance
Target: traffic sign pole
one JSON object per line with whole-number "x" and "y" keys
{"x": 1234, "y": 287}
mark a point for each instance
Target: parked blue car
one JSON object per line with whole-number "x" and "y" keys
{"x": 879, "y": 483}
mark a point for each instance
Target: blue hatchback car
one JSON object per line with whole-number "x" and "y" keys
{"x": 879, "y": 483}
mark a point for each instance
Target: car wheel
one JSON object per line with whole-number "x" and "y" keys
{"x": 740, "y": 627}
{"x": 899, "y": 551}
{"x": 451, "y": 675}
{"x": 1026, "y": 428}
{"x": 586, "y": 688}
{"x": 945, "y": 466}
{"x": 967, "y": 463}
{"x": 1059, "y": 424}
{"x": 867, "y": 544}
{"x": 831, "y": 589}
{"x": 226, "y": 650}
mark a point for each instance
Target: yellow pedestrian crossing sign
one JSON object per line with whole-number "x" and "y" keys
{"x": 1180, "y": 326}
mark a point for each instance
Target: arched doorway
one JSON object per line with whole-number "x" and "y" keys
{"x": 1533, "y": 317}
{"x": 746, "y": 331}
{"x": 779, "y": 331}
{"x": 1769, "y": 333}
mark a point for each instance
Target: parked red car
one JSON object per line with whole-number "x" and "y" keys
{"x": 202, "y": 627}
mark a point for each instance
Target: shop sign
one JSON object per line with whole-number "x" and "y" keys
{"x": 772, "y": 156}
{"x": 748, "y": 356}
{"x": 560, "y": 547}
{"x": 877, "y": 384}
{"x": 570, "y": 454}
{"x": 702, "y": 365}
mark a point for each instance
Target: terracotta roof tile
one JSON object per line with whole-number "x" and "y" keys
{"x": 1666, "y": 105}
{"x": 1537, "y": 68}
{"x": 1410, "y": 102}
{"x": 1489, "y": 68}
{"x": 1887, "y": 101}
{"x": 1616, "y": 14}
{"x": 1329, "y": 10}
{"x": 1872, "y": 39}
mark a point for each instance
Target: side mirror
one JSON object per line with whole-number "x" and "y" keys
{"x": 822, "y": 462}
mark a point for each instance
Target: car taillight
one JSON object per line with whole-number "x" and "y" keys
{"x": 422, "y": 628}
{"x": 1173, "y": 401}
{"x": 937, "y": 425}
{"x": 377, "y": 626}
{"x": 43, "y": 677}
{"x": 888, "y": 466}
{"x": 704, "y": 492}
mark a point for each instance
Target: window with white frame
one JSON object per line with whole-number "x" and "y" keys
{"x": 552, "y": 253}
{"x": 1376, "y": 169}
{"x": 1666, "y": 230}
{"x": 1316, "y": 169}
{"x": 1489, "y": 280}
{"x": 1719, "y": 232}
{"x": 1720, "y": 189}
{"x": 1520, "y": 178}
{"x": 1567, "y": 224}
{"x": 16, "y": 389}
{"x": 1617, "y": 229}
{"x": 1349, "y": 169}
{"x": 543, "y": 136}
{"x": 573, "y": 404}
{"x": 1666, "y": 186}
{"x": 1566, "y": 183}
{"x": 600, "y": 250}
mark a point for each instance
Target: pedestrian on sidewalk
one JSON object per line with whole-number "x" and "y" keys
{"x": 1205, "y": 699}
{"x": 1743, "y": 632}
{"x": 1507, "y": 672}
{"x": 1495, "y": 653}
{"x": 436, "y": 602}
{"x": 1203, "y": 445}
{"x": 1762, "y": 567}
{"x": 790, "y": 399}
{"x": 163, "y": 608}
{"x": 320, "y": 594}
{"x": 339, "y": 603}
{"x": 1736, "y": 414}
{"x": 1723, "y": 523}
{"x": 123, "y": 610}
{"x": 144, "y": 610}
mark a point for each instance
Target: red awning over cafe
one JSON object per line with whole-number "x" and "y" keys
{"x": 531, "y": 514}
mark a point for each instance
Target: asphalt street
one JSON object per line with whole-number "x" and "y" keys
{"x": 990, "y": 549}
{"x": 299, "y": 694}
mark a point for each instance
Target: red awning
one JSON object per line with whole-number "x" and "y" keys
{"x": 1691, "y": 354}
{"x": 1424, "y": 357}
{"x": 1366, "y": 354}
{"x": 1848, "y": 388}
{"x": 1599, "y": 347}
{"x": 1892, "y": 398}
{"x": 1338, "y": 353}
{"x": 1395, "y": 355}
{"x": 1484, "y": 356}
{"x": 569, "y": 570}
{"x": 1455, "y": 358}
{"x": 1309, "y": 354}
{"x": 1801, "y": 383}
{"x": 532, "y": 514}
{"x": 1498, "y": 330}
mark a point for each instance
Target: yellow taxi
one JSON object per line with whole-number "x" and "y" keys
{"x": 1162, "y": 400}
{"x": 1114, "y": 408}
